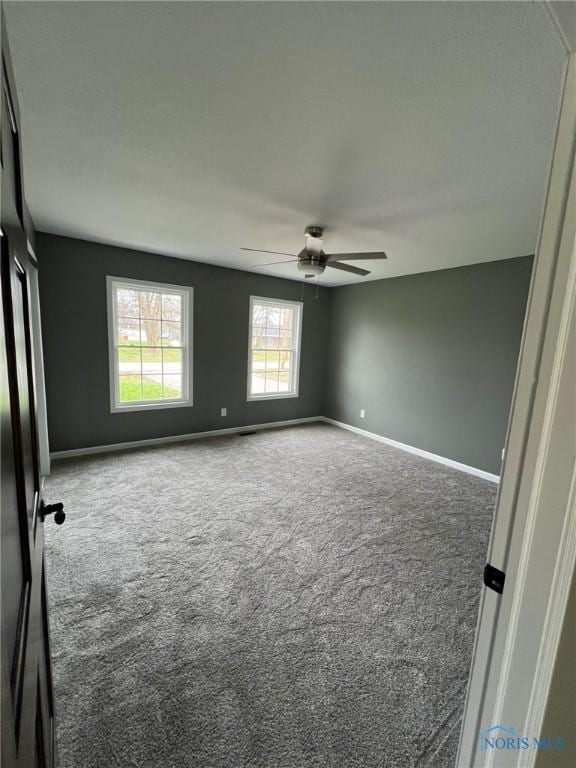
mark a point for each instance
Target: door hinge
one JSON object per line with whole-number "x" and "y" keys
{"x": 494, "y": 578}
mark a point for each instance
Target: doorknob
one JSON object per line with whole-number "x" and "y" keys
{"x": 57, "y": 509}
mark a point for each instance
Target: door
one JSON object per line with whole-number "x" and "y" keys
{"x": 533, "y": 531}
{"x": 27, "y": 715}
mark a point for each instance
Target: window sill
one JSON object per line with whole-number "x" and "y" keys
{"x": 282, "y": 396}
{"x": 151, "y": 406}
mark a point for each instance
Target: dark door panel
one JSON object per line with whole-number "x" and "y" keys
{"x": 27, "y": 711}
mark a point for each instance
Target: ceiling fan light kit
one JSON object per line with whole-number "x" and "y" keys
{"x": 311, "y": 265}
{"x": 312, "y": 260}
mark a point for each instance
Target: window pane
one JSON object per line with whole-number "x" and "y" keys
{"x": 171, "y": 334}
{"x": 172, "y": 359}
{"x": 130, "y": 388}
{"x": 272, "y": 360}
{"x": 258, "y": 336}
{"x": 284, "y": 381}
{"x": 273, "y": 317}
{"x": 285, "y": 360}
{"x": 286, "y": 318}
{"x": 129, "y": 360}
{"x": 258, "y": 361}
{"x": 284, "y": 339}
{"x": 271, "y": 381}
{"x": 270, "y": 341}
{"x": 259, "y": 315}
{"x": 128, "y": 332}
{"x": 172, "y": 387}
{"x": 151, "y": 333}
{"x": 152, "y": 387}
{"x": 171, "y": 307}
{"x": 128, "y": 303}
{"x": 258, "y": 383}
{"x": 152, "y": 361}
{"x": 150, "y": 305}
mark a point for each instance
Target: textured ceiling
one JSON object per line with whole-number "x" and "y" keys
{"x": 191, "y": 128}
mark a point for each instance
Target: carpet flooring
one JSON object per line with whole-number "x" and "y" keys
{"x": 287, "y": 599}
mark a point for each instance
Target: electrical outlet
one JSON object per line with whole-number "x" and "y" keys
{"x": 503, "y": 453}
{"x": 223, "y": 411}
{"x": 362, "y": 413}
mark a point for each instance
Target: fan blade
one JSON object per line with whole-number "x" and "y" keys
{"x": 278, "y": 253}
{"x": 272, "y": 263}
{"x": 355, "y": 256}
{"x": 347, "y": 268}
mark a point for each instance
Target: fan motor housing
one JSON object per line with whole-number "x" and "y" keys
{"x": 312, "y": 264}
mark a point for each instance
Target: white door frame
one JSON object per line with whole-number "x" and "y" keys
{"x": 38, "y": 362}
{"x": 534, "y": 530}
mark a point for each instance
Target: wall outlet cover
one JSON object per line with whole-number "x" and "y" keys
{"x": 362, "y": 413}
{"x": 223, "y": 411}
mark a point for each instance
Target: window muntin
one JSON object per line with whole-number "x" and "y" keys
{"x": 273, "y": 348}
{"x": 149, "y": 328}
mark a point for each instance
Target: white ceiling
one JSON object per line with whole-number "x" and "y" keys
{"x": 564, "y": 17}
{"x": 194, "y": 128}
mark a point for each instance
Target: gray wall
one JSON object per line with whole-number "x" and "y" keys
{"x": 431, "y": 357}
{"x": 74, "y": 321}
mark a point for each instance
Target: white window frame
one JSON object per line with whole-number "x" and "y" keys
{"x": 297, "y": 341}
{"x": 187, "y": 294}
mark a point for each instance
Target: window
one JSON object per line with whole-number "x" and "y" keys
{"x": 274, "y": 348}
{"x": 150, "y": 333}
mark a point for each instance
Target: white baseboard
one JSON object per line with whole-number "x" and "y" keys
{"x": 416, "y": 451}
{"x": 271, "y": 425}
{"x": 178, "y": 438}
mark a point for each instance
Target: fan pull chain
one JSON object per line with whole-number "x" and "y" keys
{"x": 302, "y": 293}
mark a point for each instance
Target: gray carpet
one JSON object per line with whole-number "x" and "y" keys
{"x": 293, "y": 598}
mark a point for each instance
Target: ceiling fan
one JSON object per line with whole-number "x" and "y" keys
{"x": 313, "y": 261}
